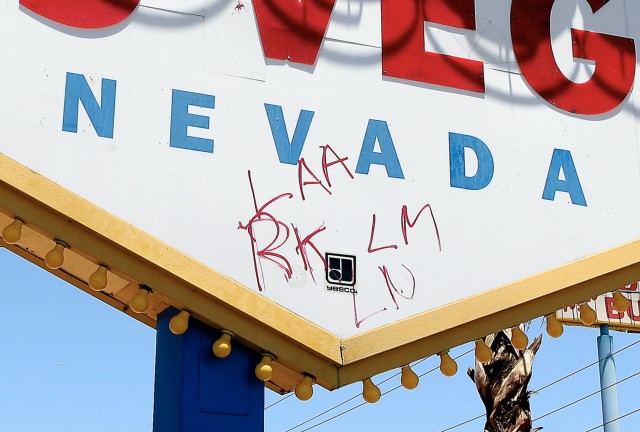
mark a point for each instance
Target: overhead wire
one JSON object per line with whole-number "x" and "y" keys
{"x": 343, "y": 402}
{"x": 615, "y": 419}
{"x": 551, "y": 384}
{"x": 466, "y": 421}
{"x": 362, "y": 403}
{"x": 586, "y": 397}
{"x": 282, "y": 399}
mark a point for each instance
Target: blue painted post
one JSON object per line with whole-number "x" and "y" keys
{"x": 609, "y": 391}
{"x": 196, "y": 391}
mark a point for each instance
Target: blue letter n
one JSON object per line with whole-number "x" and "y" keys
{"x": 102, "y": 116}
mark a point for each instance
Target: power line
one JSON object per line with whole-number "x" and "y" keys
{"x": 463, "y": 423}
{"x": 585, "y": 397}
{"x": 549, "y": 385}
{"x": 278, "y": 401}
{"x": 345, "y": 401}
{"x": 611, "y": 421}
{"x": 583, "y": 368}
{"x": 362, "y": 403}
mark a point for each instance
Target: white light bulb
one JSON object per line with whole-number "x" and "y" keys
{"x": 264, "y": 370}
{"x": 304, "y": 389}
{"x": 55, "y": 257}
{"x": 179, "y": 324}
{"x": 222, "y": 347}
{"x": 140, "y": 301}
{"x": 12, "y": 232}
{"x": 98, "y": 280}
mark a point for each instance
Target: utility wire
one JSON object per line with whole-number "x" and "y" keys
{"x": 463, "y": 423}
{"x": 583, "y": 368}
{"x": 279, "y": 400}
{"x": 343, "y": 402}
{"x": 363, "y": 403}
{"x": 611, "y": 421}
{"x": 585, "y": 397}
{"x": 469, "y": 420}
{"x": 549, "y": 385}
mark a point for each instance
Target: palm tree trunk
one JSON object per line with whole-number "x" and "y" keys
{"x": 502, "y": 384}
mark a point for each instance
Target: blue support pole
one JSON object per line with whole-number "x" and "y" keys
{"x": 196, "y": 391}
{"x": 609, "y": 390}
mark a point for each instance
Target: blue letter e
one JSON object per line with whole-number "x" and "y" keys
{"x": 181, "y": 120}
{"x": 457, "y": 165}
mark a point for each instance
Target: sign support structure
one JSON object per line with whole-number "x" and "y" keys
{"x": 608, "y": 388}
{"x": 196, "y": 391}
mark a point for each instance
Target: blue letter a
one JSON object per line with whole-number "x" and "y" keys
{"x": 288, "y": 151}
{"x": 562, "y": 159}
{"x": 102, "y": 116}
{"x": 378, "y": 130}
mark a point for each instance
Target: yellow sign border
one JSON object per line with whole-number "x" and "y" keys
{"x": 262, "y": 324}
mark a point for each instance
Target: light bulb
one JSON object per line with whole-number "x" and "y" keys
{"x": 140, "y": 301}
{"x": 483, "y": 352}
{"x": 370, "y": 391}
{"x": 448, "y": 366}
{"x": 519, "y": 339}
{"x": 264, "y": 370}
{"x": 620, "y": 302}
{"x": 222, "y": 347}
{"x": 98, "y": 280}
{"x": 179, "y": 323}
{"x": 587, "y": 314}
{"x": 12, "y": 232}
{"x": 554, "y": 326}
{"x": 55, "y": 257}
{"x": 304, "y": 389}
{"x": 408, "y": 378}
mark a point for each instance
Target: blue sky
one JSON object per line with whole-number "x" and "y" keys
{"x": 71, "y": 363}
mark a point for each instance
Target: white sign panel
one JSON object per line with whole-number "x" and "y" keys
{"x": 404, "y": 168}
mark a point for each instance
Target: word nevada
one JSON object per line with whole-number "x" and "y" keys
{"x": 377, "y": 147}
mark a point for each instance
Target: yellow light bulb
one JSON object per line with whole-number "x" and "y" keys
{"x": 12, "y": 232}
{"x": 304, "y": 389}
{"x": 483, "y": 352}
{"x": 264, "y": 370}
{"x": 587, "y": 314}
{"x": 179, "y": 323}
{"x": 98, "y": 280}
{"x": 448, "y": 366}
{"x": 140, "y": 301}
{"x": 408, "y": 378}
{"x": 222, "y": 347}
{"x": 554, "y": 326}
{"x": 519, "y": 339}
{"x": 620, "y": 302}
{"x": 55, "y": 257}
{"x": 370, "y": 391}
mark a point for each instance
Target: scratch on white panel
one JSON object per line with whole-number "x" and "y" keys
{"x": 174, "y": 11}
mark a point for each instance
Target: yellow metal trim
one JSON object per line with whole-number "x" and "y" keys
{"x": 212, "y": 297}
{"x": 431, "y": 332}
{"x": 262, "y": 324}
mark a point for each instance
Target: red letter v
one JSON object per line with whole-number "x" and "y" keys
{"x": 293, "y": 29}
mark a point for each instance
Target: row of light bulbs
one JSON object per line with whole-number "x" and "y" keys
{"x": 221, "y": 348}
{"x": 408, "y": 378}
